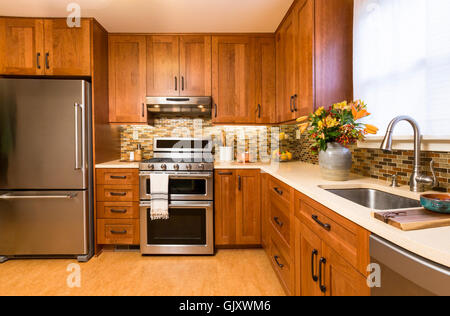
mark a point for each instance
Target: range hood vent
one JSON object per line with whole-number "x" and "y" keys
{"x": 181, "y": 106}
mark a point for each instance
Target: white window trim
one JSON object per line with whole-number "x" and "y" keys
{"x": 429, "y": 143}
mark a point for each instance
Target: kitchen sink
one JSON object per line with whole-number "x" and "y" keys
{"x": 375, "y": 199}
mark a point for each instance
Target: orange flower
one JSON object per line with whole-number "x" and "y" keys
{"x": 370, "y": 129}
{"x": 303, "y": 127}
{"x": 359, "y": 114}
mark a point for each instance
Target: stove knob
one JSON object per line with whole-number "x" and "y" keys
{"x": 188, "y": 167}
{"x": 163, "y": 167}
{"x": 151, "y": 167}
{"x": 201, "y": 166}
{"x": 176, "y": 167}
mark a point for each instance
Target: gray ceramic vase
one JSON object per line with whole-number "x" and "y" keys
{"x": 335, "y": 163}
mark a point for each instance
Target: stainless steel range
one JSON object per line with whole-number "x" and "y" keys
{"x": 190, "y": 227}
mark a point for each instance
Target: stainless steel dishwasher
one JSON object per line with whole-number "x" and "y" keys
{"x": 406, "y": 274}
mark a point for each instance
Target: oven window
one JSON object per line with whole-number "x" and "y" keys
{"x": 187, "y": 186}
{"x": 184, "y": 227}
{"x": 181, "y": 144}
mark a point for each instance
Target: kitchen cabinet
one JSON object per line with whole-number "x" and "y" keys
{"x": 117, "y": 206}
{"x": 178, "y": 65}
{"x": 44, "y": 47}
{"x": 314, "y": 57}
{"x": 127, "y": 79}
{"x": 243, "y": 80}
{"x": 237, "y": 208}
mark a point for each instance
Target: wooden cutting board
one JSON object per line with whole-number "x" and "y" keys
{"x": 413, "y": 219}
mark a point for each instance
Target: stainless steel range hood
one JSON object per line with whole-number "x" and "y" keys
{"x": 185, "y": 106}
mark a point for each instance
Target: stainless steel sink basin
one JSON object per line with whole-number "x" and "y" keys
{"x": 375, "y": 199}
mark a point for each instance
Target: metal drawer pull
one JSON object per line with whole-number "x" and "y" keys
{"x": 225, "y": 173}
{"x": 276, "y": 219}
{"x": 38, "y": 63}
{"x": 118, "y": 194}
{"x": 118, "y": 177}
{"x": 313, "y": 265}
{"x": 280, "y": 192}
{"x": 278, "y": 263}
{"x": 47, "y": 65}
{"x": 123, "y": 232}
{"x": 322, "y": 262}
{"x": 327, "y": 227}
{"x": 118, "y": 211}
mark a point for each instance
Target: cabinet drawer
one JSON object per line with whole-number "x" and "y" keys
{"x": 118, "y": 193}
{"x": 117, "y": 176}
{"x": 280, "y": 191}
{"x": 280, "y": 220}
{"x": 345, "y": 237}
{"x": 118, "y": 210}
{"x": 281, "y": 262}
{"x": 118, "y": 232}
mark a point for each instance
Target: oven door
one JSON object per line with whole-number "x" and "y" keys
{"x": 188, "y": 231}
{"x": 182, "y": 186}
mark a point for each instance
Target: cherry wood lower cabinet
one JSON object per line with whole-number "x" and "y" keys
{"x": 237, "y": 208}
{"x": 117, "y": 206}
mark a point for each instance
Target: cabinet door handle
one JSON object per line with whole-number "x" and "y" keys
{"x": 322, "y": 263}
{"x": 118, "y": 211}
{"x": 278, "y": 262}
{"x": 38, "y": 62}
{"x": 182, "y": 83}
{"x": 291, "y": 104}
{"x": 295, "y": 103}
{"x": 327, "y": 227}
{"x": 118, "y": 194}
{"x": 115, "y": 232}
{"x": 259, "y": 110}
{"x": 277, "y": 220}
{"x": 280, "y": 192}
{"x": 239, "y": 183}
{"x": 313, "y": 264}
{"x": 215, "y": 110}
{"x": 47, "y": 64}
{"x": 176, "y": 83}
{"x": 118, "y": 177}
{"x": 143, "y": 109}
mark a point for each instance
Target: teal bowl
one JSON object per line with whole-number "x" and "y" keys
{"x": 439, "y": 203}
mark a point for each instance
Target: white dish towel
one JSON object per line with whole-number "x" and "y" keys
{"x": 159, "y": 190}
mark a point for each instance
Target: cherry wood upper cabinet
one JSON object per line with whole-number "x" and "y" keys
{"x": 314, "y": 57}
{"x": 67, "y": 49}
{"x": 248, "y": 210}
{"x": 265, "y": 80}
{"x": 225, "y": 207}
{"x": 233, "y": 80}
{"x": 195, "y": 65}
{"x": 21, "y": 46}
{"x": 163, "y": 66}
{"x": 127, "y": 84}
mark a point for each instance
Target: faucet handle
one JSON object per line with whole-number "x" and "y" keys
{"x": 435, "y": 180}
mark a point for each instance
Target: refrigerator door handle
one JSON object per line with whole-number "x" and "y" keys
{"x": 23, "y": 197}
{"x": 77, "y": 140}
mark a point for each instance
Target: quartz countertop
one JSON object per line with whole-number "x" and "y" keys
{"x": 432, "y": 244}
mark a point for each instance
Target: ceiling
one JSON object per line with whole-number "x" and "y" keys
{"x": 163, "y": 16}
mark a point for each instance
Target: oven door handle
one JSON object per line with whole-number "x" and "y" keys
{"x": 191, "y": 176}
{"x": 174, "y": 206}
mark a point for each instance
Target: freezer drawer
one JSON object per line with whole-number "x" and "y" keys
{"x": 42, "y": 223}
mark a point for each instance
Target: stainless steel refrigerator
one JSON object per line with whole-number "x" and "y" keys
{"x": 46, "y": 197}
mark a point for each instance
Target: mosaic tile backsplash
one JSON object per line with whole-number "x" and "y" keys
{"x": 366, "y": 162}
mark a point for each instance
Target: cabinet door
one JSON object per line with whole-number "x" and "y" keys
{"x": 195, "y": 65}
{"x": 308, "y": 251}
{"x": 225, "y": 207}
{"x": 265, "y": 80}
{"x": 67, "y": 49}
{"x": 304, "y": 102}
{"x": 21, "y": 46}
{"x": 341, "y": 279}
{"x": 248, "y": 210}
{"x": 163, "y": 66}
{"x": 127, "y": 79}
{"x": 265, "y": 211}
{"x": 286, "y": 58}
{"x": 233, "y": 79}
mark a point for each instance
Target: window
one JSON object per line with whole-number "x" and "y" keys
{"x": 402, "y": 63}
